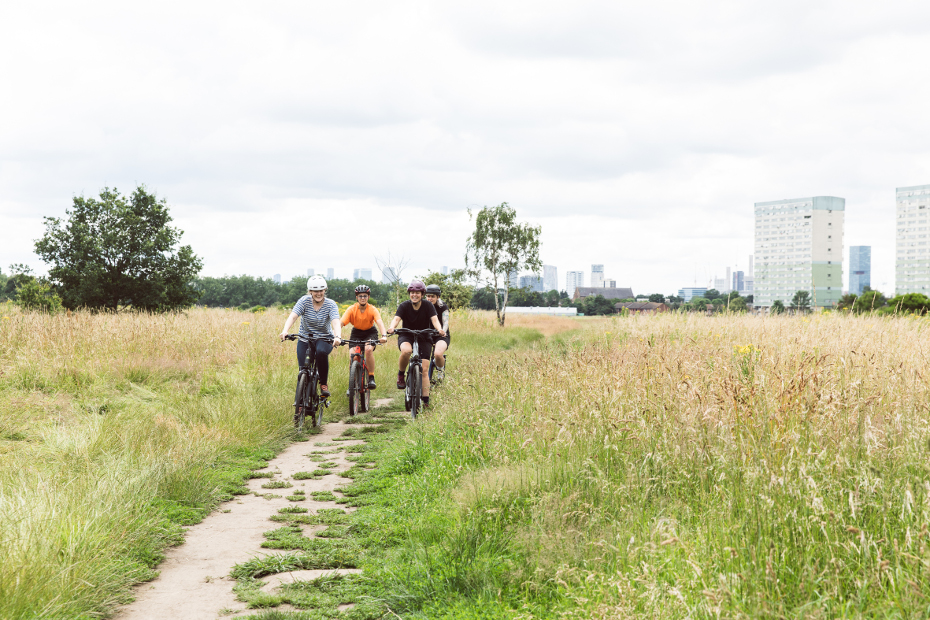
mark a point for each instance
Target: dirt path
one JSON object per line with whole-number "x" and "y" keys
{"x": 194, "y": 582}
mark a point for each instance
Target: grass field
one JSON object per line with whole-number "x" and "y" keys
{"x": 669, "y": 466}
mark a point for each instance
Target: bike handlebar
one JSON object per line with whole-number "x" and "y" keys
{"x": 310, "y": 337}
{"x": 417, "y": 332}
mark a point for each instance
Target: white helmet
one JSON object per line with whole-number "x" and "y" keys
{"x": 316, "y": 283}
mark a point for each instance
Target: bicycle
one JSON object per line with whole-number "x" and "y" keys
{"x": 309, "y": 400}
{"x": 359, "y": 394}
{"x": 414, "y": 387}
{"x": 433, "y": 366}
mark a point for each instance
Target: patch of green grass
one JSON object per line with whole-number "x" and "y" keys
{"x": 328, "y": 465}
{"x": 323, "y": 496}
{"x": 308, "y": 475}
{"x": 277, "y": 484}
{"x": 292, "y": 510}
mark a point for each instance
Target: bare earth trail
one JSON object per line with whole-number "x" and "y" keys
{"x": 194, "y": 581}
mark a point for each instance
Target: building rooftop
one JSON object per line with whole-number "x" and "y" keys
{"x": 607, "y": 293}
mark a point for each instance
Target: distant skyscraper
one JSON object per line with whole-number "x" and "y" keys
{"x": 532, "y": 282}
{"x": 610, "y": 283}
{"x": 912, "y": 260}
{"x": 445, "y": 270}
{"x": 597, "y": 276}
{"x": 737, "y": 284}
{"x": 573, "y": 279}
{"x": 550, "y": 278}
{"x": 363, "y": 273}
{"x": 310, "y": 273}
{"x": 513, "y": 279}
{"x": 749, "y": 272}
{"x": 388, "y": 275}
{"x": 727, "y": 283}
{"x": 799, "y": 247}
{"x": 277, "y": 278}
{"x": 720, "y": 284}
{"x": 329, "y": 273}
{"x": 860, "y": 268}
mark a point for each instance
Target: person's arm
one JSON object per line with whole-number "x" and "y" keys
{"x": 288, "y": 323}
{"x": 437, "y": 326}
{"x": 394, "y": 323}
{"x": 337, "y": 331}
{"x": 381, "y": 331}
{"x": 445, "y": 320}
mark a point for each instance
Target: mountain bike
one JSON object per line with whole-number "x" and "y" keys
{"x": 414, "y": 387}
{"x": 359, "y": 394}
{"x": 309, "y": 401}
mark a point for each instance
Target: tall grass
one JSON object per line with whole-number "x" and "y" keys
{"x": 676, "y": 466}
{"x": 114, "y": 429}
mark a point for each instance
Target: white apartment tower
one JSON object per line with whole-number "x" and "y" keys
{"x": 550, "y": 278}
{"x": 799, "y": 247}
{"x": 597, "y": 276}
{"x": 912, "y": 256}
{"x": 573, "y": 279}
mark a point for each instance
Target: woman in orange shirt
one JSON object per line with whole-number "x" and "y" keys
{"x": 364, "y": 318}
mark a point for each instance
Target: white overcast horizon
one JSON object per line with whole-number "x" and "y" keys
{"x": 289, "y": 136}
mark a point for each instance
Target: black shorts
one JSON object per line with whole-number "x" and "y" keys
{"x": 364, "y": 334}
{"x": 426, "y": 344}
{"x": 447, "y": 339}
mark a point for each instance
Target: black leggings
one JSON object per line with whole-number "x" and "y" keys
{"x": 323, "y": 349}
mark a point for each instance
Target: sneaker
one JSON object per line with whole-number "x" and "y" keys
{"x": 348, "y": 393}
{"x": 371, "y": 383}
{"x": 401, "y": 384}
{"x": 440, "y": 374}
{"x": 324, "y": 391}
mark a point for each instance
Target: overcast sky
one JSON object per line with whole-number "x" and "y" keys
{"x": 290, "y": 135}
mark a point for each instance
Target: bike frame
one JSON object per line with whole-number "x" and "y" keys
{"x": 357, "y": 352}
{"x": 415, "y": 367}
{"x": 313, "y": 401}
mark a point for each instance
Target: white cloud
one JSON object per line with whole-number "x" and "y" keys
{"x": 637, "y": 134}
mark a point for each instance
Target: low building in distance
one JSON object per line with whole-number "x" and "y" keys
{"x": 860, "y": 268}
{"x": 608, "y": 293}
{"x": 912, "y": 257}
{"x": 799, "y": 247}
{"x": 690, "y": 292}
{"x": 555, "y": 310}
{"x": 641, "y": 307}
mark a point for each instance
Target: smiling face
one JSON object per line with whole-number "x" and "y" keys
{"x": 317, "y": 296}
{"x": 362, "y": 299}
{"x": 432, "y": 298}
{"x": 416, "y": 296}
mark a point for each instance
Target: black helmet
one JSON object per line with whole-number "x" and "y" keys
{"x": 362, "y": 288}
{"x": 433, "y": 289}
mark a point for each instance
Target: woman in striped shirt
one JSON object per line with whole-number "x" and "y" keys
{"x": 319, "y": 315}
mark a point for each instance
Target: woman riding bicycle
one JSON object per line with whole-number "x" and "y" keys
{"x": 318, "y": 315}
{"x": 433, "y": 291}
{"x": 416, "y": 313}
{"x": 366, "y": 325}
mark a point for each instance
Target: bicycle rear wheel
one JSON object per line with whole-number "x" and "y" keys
{"x": 355, "y": 373}
{"x": 300, "y": 404}
{"x": 416, "y": 390}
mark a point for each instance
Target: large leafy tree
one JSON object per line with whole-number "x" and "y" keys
{"x": 500, "y": 246}
{"x": 456, "y": 292}
{"x": 119, "y": 251}
{"x": 867, "y": 302}
{"x": 801, "y": 302}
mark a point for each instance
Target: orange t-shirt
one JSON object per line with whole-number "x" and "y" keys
{"x": 361, "y": 320}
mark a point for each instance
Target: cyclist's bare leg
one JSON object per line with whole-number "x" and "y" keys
{"x": 406, "y": 350}
{"x": 425, "y": 378}
{"x": 370, "y": 359}
{"x": 438, "y": 353}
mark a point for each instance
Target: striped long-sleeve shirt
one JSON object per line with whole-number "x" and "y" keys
{"x": 316, "y": 321}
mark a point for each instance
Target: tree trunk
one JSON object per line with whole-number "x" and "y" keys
{"x": 497, "y": 305}
{"x": 502, "y": 316}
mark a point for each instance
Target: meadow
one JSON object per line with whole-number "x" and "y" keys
{"x": 666, "y": 466}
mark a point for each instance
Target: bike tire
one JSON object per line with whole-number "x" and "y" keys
{"x": 416, "y": 390}
{"x": 408, "y": 391}
{"x": 315, "y": 407}
{"x": 300, "y": 408}
{"x": 355, "y": 372}
{"x": 365, "y": 394}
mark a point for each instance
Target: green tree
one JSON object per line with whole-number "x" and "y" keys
{"x": 38, "y": 295}
{"x": 119, "y": 251}
{"x": 801, "y": 302}
{"x": 910, "y": 302}
{"x": 736, "y": 304}
{"x": 19, "y": 275}
{"x": 483, "y": 299}
{"x": 456, "y": 292}
{"x": 499, "y": 246}
{"x": 778, "y": 307}
{"x": 868, "y": 301}
{"x": 657, "y": 298}
{"x": 712, "y": 294}
{"x": 846, "y": 302}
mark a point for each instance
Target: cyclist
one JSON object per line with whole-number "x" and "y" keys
{"x": 433, "y": 291}
{"x": 364, "y": 318}
{"x": 416, "y": 313}
{"x": 318, "y": 315}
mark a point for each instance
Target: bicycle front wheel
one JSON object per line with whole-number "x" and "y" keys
{"x": 355, "y": 384}
{"x": 365, "y": 393}
{"x": 315, "y": 408}
{"x": 415, "y": 390}
{"x": 300, "y": 403}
